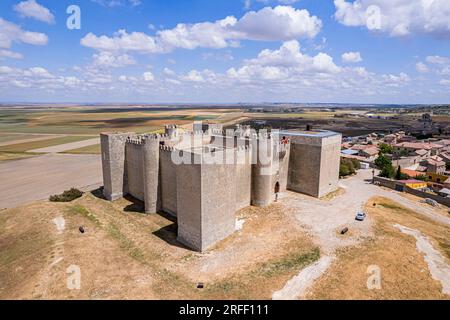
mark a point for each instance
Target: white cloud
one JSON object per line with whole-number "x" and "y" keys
{"x": 148, "y": 76}
{"x": 122, "y": 41}
{"x": 193, "y": 76}
{"x": 437, "y": 60}
{"x": 117, "y": 3}
{"x": 422, "y": 67}
{"x": 206, "y": 34}
{"x": 279, "y": 23}
{"x": 268, "y": 24}
{"x": 351, "y": 57}
{"x": 396, "y": 17}
{"x": 32, "y": 9}
{"x": 285, "y": 61}
{"x": 10, "y": 32}
{"x": 108, "y": 59}
{"x": 10, "y": 54}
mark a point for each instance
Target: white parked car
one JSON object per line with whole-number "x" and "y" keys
{"x": 361, "y": 216}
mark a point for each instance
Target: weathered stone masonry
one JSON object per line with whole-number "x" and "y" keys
{"x": 205, "y": 195}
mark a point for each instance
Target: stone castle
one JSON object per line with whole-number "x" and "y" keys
{"x": 203, "y": 176}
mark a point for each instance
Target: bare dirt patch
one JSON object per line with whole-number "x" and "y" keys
{"x": 404, "y": 272}
{"x": 125, "y": 254}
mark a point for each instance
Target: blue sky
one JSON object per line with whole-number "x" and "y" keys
{"x": 356, "y": 51}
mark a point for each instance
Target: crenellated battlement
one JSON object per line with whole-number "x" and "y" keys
{"x": 166, "y": 148}
{"x": 176, "y": 171}
{"x": 135, "y": 141}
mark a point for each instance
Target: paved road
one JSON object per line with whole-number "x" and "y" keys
{"x": 68, "y": 146}
{"x": 37, "y": 178}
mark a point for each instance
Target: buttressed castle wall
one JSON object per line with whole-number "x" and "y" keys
{"x": 203, "y": 177}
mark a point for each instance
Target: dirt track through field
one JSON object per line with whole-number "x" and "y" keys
{"x": 437, "y": 265}
{"x": 37, "y": 178}
{"x": 67, "y": 146}
{"x": 40, "y": 137}
{"x": 324, "y": 219}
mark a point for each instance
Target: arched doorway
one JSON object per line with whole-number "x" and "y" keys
{"x": 277, "y": 190}
{"x": 277, "y": 187}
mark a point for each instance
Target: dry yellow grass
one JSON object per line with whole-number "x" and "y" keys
{"x": 404, "y": 272}
{"x": 128, "y": 255}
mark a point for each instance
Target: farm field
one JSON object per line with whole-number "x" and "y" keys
{"x": 89, "y": 120}
{"x": 27, "y": 146}
{"x": 94, "y": 149}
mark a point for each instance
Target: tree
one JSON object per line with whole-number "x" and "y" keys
{"x": 348, "y": 167}
{"x": 398, "y": 175}
{"x": 344, "y": 170}
{"x": 386, "y": 149}
{"x": 385, "y": 165}
{"x": 382, "y": 161}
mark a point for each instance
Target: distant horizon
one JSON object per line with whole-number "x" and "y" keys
{"x": 218, "y": 104}
{"x": 346, "y": 51}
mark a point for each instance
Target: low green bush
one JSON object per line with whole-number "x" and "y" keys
{"x": 67, "y": 196}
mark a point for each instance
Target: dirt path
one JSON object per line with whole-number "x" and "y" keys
{"x": 67, "y": 146}
{"x": 437, "y": 265}
{"x": 301, "y": 282}
{"x": 37, "y": 178}
{"x": 40, "y": 137}
{"x": 324, "y": 219}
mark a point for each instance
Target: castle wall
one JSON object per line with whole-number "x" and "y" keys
{"x": 113, "y": 164}
{"x": 243, "y": 178}
{"x": 189, "y": 199}
{"x": 284, "y": 166}
{"x": 150, "y": 171}
{"x": 168, "y": 173}
{"x": 206, "y": 203}
{"x": 329, "y": 167}
{"x": 218, "y": 203}
{"x": 262, "y": 173}
{"x": 134, "y": 171}
{"x": 314, "y": 164}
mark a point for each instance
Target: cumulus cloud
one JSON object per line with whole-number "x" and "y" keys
{"x": 279, "y": 23}
{"x": 351, "y": 57}
{"x": 122, "y": 41}
{"x": 422, "y": 67}
{"x": 436, "y": 64}
{"x": 396, "y": 17}
{"x": 32, "y": 9}
{"x": 108, "y": 59}
{"x": 437, "y": 60}
{"x": 148, "y": 76}
{"x": 285, "y": 62}
{"x": 117, "y": 3}
{"x": 10, "y": 32}
{"x": 10, "y": 54}
{"x": 268, "y": 24}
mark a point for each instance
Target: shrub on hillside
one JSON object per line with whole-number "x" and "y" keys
{"x": 67, "y": 196}
{"x": 348, "y": 167}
